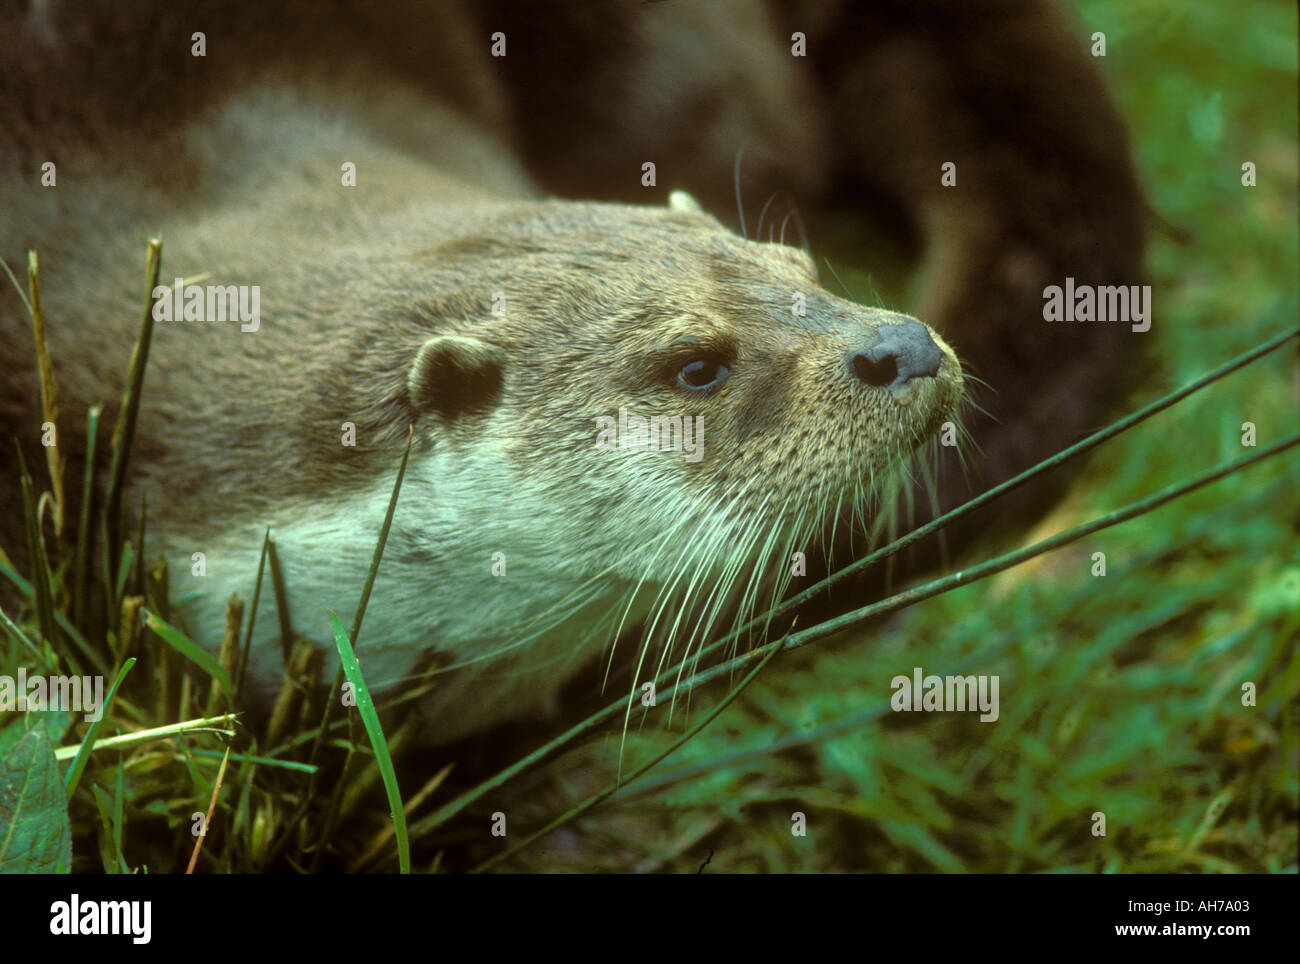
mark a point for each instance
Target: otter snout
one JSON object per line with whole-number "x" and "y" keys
{"x": 900, "y": 354}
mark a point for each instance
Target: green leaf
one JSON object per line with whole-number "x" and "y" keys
{"x": 35, "y": 836}
{"x": 54, "y": 724}
{"x": 366, "y": 706}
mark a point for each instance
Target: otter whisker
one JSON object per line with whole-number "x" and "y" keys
{"x": 758, "y": 231}
{"x": 740, "y": 205}
{"x": 705, "y": 551}
{"x": 674, "y": 534}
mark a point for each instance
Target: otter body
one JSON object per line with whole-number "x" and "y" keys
{"x": 445, "y": 289}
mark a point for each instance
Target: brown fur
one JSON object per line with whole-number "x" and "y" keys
{"x": 236, "y": 156}
{"x": 589, "y": 92}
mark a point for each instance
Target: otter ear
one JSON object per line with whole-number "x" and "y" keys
{"x": 681, "y": 201}
{"x": 453, "y": 375}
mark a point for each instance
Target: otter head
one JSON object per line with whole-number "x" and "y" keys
{"x": 620, "y": 414}
{"x": 666, "y": 407}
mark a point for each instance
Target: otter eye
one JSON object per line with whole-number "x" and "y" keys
{"x": 701, "y": 375}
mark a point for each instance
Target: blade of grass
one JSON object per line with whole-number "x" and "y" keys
{"x": 178, "y": 641}
{"x": 207, "y": 818}
{"x": 49, "y": 404}
{"x": 206, "y": 725}
{"x": 123, "y": 570}
{"x": 264, "y": 760}
{"x": 105, "y": 807}
{"x": 81, "y": 559}
{"x": 119, "y": 821}
{"x": 336, "y": 798}
{"x": 382, "y": 541}
{"x": 139, "y": 586}
{"x": 241, "y": 825}
{"x": 366, "y": 707}
{"x": 252, "y": 613}
{"x": 228, "y": 651}
{"x": 124, "y": 429}
{"x": 17, "y": 287}
{"x": 371, "y": 573}
{"x": 110, "y": 816}
{"x": 335, "y": 692}
{"x": 19, "y": 636}
{"x": 281, "y": 604}
{"x": 382, "y": 836}
{"x": 88, "y": 741}
{"x": 111, "y": 604}
{"x": 36, "y": 554}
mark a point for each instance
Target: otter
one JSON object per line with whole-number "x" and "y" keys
{"x": 390, "y": 189}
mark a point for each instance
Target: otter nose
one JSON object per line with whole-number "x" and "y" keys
{"x": 902, "y": 353}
